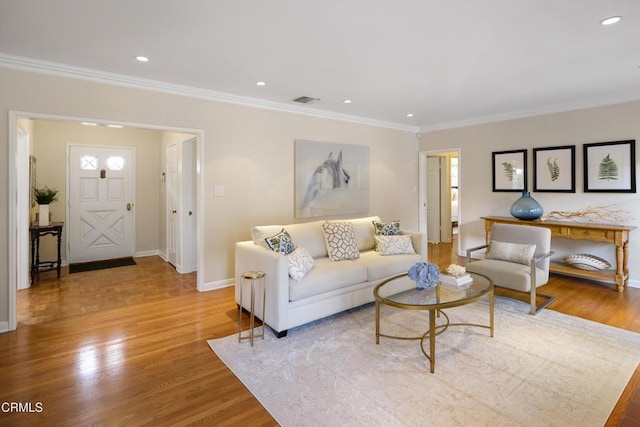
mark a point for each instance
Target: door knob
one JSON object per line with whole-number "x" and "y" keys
{"x": 174, "y": 211}
{"x": 129, "y": 205}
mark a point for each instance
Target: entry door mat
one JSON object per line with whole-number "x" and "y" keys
{"x": 100, "y": 265}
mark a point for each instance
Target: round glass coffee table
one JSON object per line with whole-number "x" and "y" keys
{"x": 401, "y": 292}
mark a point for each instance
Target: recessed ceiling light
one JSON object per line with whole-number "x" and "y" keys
{"x": 89, "y": 123}
{"x": 142, "y": 58}
{"x": 115, "y": 126}
{"x": 410, "y": 115}
{"x": 611, "y": 20}
{"x": 261, "y": 83}
{"x": 347, "y": 101}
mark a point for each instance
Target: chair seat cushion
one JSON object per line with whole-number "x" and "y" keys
{"x": 507, "y": 274}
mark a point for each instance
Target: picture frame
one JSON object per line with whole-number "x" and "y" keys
{"x": 509, "y": 170}
{"x": 331, "y": 179}
{"x": 554, "y": 169}
{"x": 610, "y": 167}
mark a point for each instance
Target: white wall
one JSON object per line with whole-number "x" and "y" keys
{"x": 247, "y": 150}
{"x": 603, "y": 124}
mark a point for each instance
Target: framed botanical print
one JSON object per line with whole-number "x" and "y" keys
{"x": 554, "y": 169}
{"x": 509, "y": 170}
{"x": 610, "y": 167}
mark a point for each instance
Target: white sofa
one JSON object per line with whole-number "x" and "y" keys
{"x": 331, "y": 286}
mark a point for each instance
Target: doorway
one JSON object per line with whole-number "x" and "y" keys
{"x": 17, "y": 168}
{"x": 440, "y": 195}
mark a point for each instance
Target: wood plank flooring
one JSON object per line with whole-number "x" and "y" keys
{"x": 127, "y": 346}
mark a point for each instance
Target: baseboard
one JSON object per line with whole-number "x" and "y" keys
{"x": 219, "y": 284}
{"x": 4, "y": 327}
{"x": 142, "y": 254}
{"x": 633, "y": 283}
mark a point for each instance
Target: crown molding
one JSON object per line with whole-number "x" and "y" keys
{"x": 523, "y": 114}
{"x": 63, "y": 70}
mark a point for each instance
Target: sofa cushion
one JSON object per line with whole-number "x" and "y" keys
{"x": 281, "y": 242}
{"x": 300, "y": 263}
{"x": 380, "y": 267}
{"x": 327, "y": 276}
{"x": 387, "y": 228}
{"x": 340, "y": 241}
{"x": 309, "y": 235}
{"x": 394, "y": 245}
{"x": 261, "y": 232}
{"x": 505, "y": 273}
{"x": 363, "y": 232}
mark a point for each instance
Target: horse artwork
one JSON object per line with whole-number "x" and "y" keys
{"x": 328, "y": 184}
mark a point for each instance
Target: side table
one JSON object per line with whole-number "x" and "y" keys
{"x": 253, "y": 276}
{"x": 36, "y": 231}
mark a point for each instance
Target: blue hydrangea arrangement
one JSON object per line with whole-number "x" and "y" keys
{"x": 425, "y": 274}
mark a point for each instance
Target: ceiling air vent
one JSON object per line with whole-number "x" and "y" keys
{"x": 306, "y": 99}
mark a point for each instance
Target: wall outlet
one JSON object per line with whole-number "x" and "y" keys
{"x": 218, "y": 191}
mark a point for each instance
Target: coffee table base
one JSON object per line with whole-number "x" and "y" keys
{"x": 434, "y": 330}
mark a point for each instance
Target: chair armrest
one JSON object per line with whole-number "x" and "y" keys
{"x": 475, "y": 248}
{"x": 540, "y": 257}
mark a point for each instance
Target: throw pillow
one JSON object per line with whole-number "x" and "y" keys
{"x": 300, "y": 263}
{"x": 394, "y": 245}
{"x": 513, "y": 252}
{"x": 281, "y": 243}
{"x": 386, "y": 228}
{"x": 340, "y": 240}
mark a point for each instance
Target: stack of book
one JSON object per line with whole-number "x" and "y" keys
{"x": 456, "y": 280}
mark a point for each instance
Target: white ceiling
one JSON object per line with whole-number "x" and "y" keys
{"x": 449, "y": 62}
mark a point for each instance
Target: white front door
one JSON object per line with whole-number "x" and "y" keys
{"x": 101, "y": 201}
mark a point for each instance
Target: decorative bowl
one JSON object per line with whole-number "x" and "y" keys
{"x": 587, "y": 262}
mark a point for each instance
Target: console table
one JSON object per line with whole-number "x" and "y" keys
{"x": 617, "y": 235}
{"x": 36, "y": 231}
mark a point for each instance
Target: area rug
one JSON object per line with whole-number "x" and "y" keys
{"x": 543, "y": 370}
{"x": 99, "y": 265}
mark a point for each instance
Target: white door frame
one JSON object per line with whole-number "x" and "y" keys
{"x": 13, "y": 188}
{"x": 422, "y": 189}
{"x": 23, "y": 207}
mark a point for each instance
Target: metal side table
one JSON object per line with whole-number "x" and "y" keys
{"x": 253, "y": 276}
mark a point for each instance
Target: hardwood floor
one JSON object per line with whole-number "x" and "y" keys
{"x": 127, "y": 346}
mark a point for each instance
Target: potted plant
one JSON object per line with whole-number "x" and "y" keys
{"x": 44, "y": 196}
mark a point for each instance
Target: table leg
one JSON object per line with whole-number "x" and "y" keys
{"x": 377, "y": 322}
{"x": 33, "y": 258}
{"x": 432, "y": 340}
{"x": 59, "y": 253}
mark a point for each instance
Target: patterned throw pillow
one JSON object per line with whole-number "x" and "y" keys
{"x": 340, "y": 241}
{"x": 513, "y": 252}
{"x": 386, "y": 228}
{"x": 300, "y": 263}
{"x": 281, "y": 243}
{"x": 394, "y": 245}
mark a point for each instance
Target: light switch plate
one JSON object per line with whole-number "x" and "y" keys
{"x": 218, "y": 191}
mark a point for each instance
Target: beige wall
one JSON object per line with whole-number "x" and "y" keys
{"x": 50, "y": 140}
{"x": 247, "y": 150}
{"x": 476, "y": 143}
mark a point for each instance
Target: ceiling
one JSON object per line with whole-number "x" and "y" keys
{"x": 447, "y": 62}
